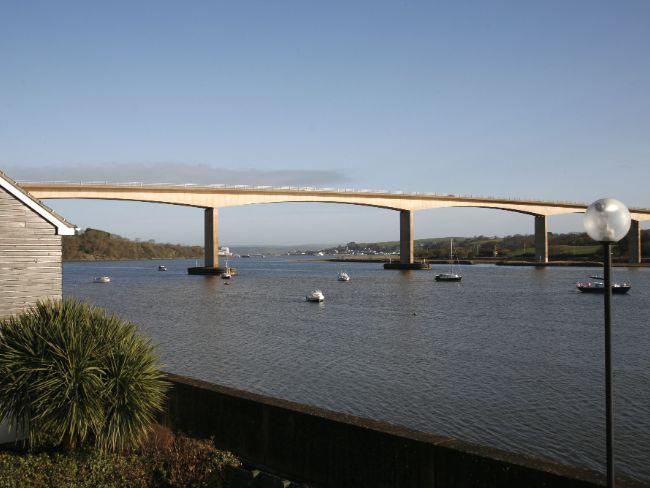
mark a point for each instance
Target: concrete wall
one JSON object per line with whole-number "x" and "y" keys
{"x": 325, "y": 448}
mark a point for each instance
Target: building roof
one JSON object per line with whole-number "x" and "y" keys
{"x": 63, "y": 227}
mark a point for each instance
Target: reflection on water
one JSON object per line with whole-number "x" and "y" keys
{"x": 510, "y": 357}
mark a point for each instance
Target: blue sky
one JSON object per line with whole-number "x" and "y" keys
{"x": 517, "y": 99}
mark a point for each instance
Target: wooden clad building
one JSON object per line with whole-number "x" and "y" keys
{"x": 30, "y": 249}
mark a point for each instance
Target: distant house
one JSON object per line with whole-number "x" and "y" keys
{"x": 30, "y": 249}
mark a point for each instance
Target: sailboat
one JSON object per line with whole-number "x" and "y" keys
{"x": 226, "y": 274}
{"x": 451, "y": 276}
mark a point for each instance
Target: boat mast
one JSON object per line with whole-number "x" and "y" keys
{"x": 451, "y": 256}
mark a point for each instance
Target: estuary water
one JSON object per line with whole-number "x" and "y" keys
{"x": 513, "y": 357}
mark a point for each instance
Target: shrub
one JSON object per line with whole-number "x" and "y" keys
{"x": 73, "y": 373}
{"x": 178, "y": 460}
{"x": 163, "y": 460}
{"x": 72, "y": 470}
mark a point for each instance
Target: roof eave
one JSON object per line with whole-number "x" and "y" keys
{"x": 62, "y": 226}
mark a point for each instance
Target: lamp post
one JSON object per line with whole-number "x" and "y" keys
{"x": 607, "y": 221}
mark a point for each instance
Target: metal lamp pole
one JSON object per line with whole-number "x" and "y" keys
{"x": 609, "y": 401}
{"x": 607, "y": 221}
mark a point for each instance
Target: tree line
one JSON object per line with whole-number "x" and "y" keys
{"x": 95, "y": 245}
{"x": 572, "y": 245}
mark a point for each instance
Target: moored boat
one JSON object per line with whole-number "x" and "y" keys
{"x": 343, "y": 276}
{"x": 451, "y": 276}
{"x": 448, "y": 277}
{"x": 315, "y": 296}
{"x": 102, "y": 279}
{"x": 599, "y": 286}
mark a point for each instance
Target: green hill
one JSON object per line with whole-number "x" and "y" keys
{"x": 97, "y": 245}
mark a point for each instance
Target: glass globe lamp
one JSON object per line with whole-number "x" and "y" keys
{"x": 607, "y": 220}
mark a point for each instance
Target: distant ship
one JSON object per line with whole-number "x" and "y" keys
{"x": 224, "y": 251}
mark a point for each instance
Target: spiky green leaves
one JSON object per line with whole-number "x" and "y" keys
{"x": 71, "y": 372}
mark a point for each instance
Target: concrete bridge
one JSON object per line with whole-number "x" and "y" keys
{"x": 213, "y": 197}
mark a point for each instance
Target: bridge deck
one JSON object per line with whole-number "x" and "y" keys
{"x": 219, "y": 196}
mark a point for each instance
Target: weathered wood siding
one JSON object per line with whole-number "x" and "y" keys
{"x": 30, "y": 257}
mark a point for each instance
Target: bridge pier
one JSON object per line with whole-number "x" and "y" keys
{"x": 406, "y": 237}
{"x": 211, "y": 246}
{"x": 634, "y": 242}
{"x": 541, "y": 239}
{"x": 211, "y": 238}
{"x": 406, "y": 260}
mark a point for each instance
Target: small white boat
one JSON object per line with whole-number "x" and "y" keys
{"x": 102, "y": 279}
{"x": 315, "y": 296}
{"x": 162, "y": 267}
{"x": 226, "y": 276}
{"x": 343, "y": 276}
{"x": 451, "y": 276}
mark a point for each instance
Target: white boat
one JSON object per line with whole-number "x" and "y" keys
{"x": 226, "y": 274}
{"x": 224, "y": 251}
{"x": 315, "y": 296}
{"x": 102, "y": 279}
{"x": 162, "y": 267}
{"x": 451, "y": 276}
{"x": 343, "y": 276}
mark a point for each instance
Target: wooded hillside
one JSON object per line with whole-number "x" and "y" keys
{"x": 95, "y": 245}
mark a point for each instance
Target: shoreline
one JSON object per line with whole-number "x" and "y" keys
{"x": 503, "y": 262}
{"x": 101, "y": 260}
{"x": 384, "y": 259}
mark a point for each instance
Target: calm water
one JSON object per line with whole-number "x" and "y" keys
{"x": 512, "y": 357}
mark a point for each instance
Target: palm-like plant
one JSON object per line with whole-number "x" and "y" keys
{"x": 71, "y": 372}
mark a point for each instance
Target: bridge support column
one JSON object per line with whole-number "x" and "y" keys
{"x": 211, "y": 246}
{"x": 406, "y": 237}
{"x": 406, "y": 260}
{"x": 211, "y": 238}
{"x": 541, "y": 239}
{"x": 634, "y": 242}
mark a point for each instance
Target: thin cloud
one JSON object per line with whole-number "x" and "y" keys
{"x": 174, "y": 173}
